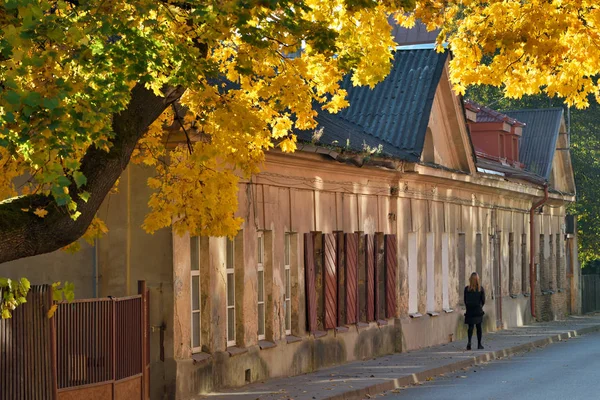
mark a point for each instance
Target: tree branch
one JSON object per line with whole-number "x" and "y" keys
{"x": 23, "y": 234}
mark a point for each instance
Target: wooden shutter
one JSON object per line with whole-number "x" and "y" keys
{"x": 351, "y": 258}
{"x": 391, "y": 265}
{"x": 309, "y": 278}
{"x": 370, "y": 265}
{"x": 341, "y": 279}
{"x": 318, "y": 256}
{"x": 379, "y": 275}
{"x": 330, "y": 281}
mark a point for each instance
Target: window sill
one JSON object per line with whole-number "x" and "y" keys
{"x": 292, "y": 339}
{"x": 362, "y": 325}
{"x": 514, "y": 296}
{"x": 319, "y": 334}
{"x": 525, "y": 294}
{"x": 341, "y": 329}
{"x": 415, "y": 315}
{"x": 448, "y": 310}
{"x": 265, "y": 344}
{"x": 236, "y": 351}
{"x": 432, "y": 313}
{"x": 382, "y": 322}
{"x": 199, "y": 358}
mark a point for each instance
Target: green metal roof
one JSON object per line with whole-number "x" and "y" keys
{"x": 394, "y": 114}
{"x": 540, "y": 134}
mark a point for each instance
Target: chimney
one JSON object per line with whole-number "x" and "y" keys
{"x": 495, "y": 136}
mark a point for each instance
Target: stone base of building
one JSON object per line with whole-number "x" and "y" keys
{"x": 552, "y": 306}
{"x": 293, "y": 356}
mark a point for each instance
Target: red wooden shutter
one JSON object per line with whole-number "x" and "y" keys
{"x": 318, "y": 257}
{"x": 391, "y": 265}
{"x": 341, "y": 278}
{"x": 309, "y": 277}
{"x": 351, "y": 258}
{"x": 370, "y": 265}
{"x": 330, "y": 278}
{"x": 379, "y": 260}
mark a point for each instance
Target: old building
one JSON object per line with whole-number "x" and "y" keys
{"x": 357, "y": 245}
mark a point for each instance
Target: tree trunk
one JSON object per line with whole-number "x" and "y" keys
{"x": 23, "y": 234}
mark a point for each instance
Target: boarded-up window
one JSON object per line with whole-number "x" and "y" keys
{"x": 462, "y": 265}
{"x": 524, "y": 265}
{"x": 511, "y": 263}
{"x": 341, "y": 278}
{"x": 541, "y": 270}
{"x": 370, "y": 284}
{"x": 413, "y": 283}
{"x": 351, "y": 281}
{"x": 379, "y": 276}
{"x": 551, "y": 264}
{"x": 430, "y": 272}
{"x": 330, "y": 280}
{"x": 560, "y": 264}
{"x": 362, "y": 278}
{"x": 479, "y": 255}
{"x": 391, "y": 265}
{"x": 445, "y": 273}
{"x": 309, "y": 278}
{"x": 318, "y": 256}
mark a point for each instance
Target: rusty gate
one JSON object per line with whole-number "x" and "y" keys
{"x": 91, "y": 348}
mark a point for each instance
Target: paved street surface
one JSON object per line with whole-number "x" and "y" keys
{"x": 566, "y": 370}
{"x": 361, "y": 379}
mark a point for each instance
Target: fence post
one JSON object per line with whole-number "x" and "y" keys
{"x": 114, "y": 346}
{"x": 53, "y": 356}
{"x": 142, "y": 291}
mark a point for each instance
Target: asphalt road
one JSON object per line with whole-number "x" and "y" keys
{"x": 566, "y": 370}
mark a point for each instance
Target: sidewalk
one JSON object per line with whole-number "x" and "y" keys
{"x": 358, "y": 379}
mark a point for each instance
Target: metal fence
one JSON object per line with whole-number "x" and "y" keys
{"x": 92, "y": 348}
{"x": 26, "y": 354}
{"x": 590, "y": 293}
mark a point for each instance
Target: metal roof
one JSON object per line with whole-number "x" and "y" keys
{"x": 540, "y": 135}
{"x": 394, "y": 114}
{"x": 415, "y": 35}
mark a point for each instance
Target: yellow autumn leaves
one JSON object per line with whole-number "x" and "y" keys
{"x": 253, "y": 76}
{"x": 524, "y": 46}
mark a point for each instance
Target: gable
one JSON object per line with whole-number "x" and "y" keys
{"x": 561, "y": 176}
{"x": 447, "y": 142}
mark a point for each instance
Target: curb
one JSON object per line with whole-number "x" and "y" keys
{"x": 359, "y": 394}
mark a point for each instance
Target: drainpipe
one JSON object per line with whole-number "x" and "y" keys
{"x": 532, "y": 274}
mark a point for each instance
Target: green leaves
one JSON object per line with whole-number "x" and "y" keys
{"x": 13, "y": 97}
{"x": 79, "y": 178}
{"x": 13, "y": 293}
{"x": 65, "y": 292}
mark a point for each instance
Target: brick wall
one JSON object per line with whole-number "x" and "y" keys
{"x": 550, "y": 307}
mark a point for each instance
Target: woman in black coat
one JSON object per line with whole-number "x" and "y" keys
{"x": 474, "y": 301}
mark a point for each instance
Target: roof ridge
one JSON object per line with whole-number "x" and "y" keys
{"x": 476, "y": 107}
{"x": 535, "y": 109}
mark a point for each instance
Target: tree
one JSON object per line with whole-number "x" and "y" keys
{"x": 524, "y": 46}
{"x": 87, "y": 85}
{"x": 585, "y": 153}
